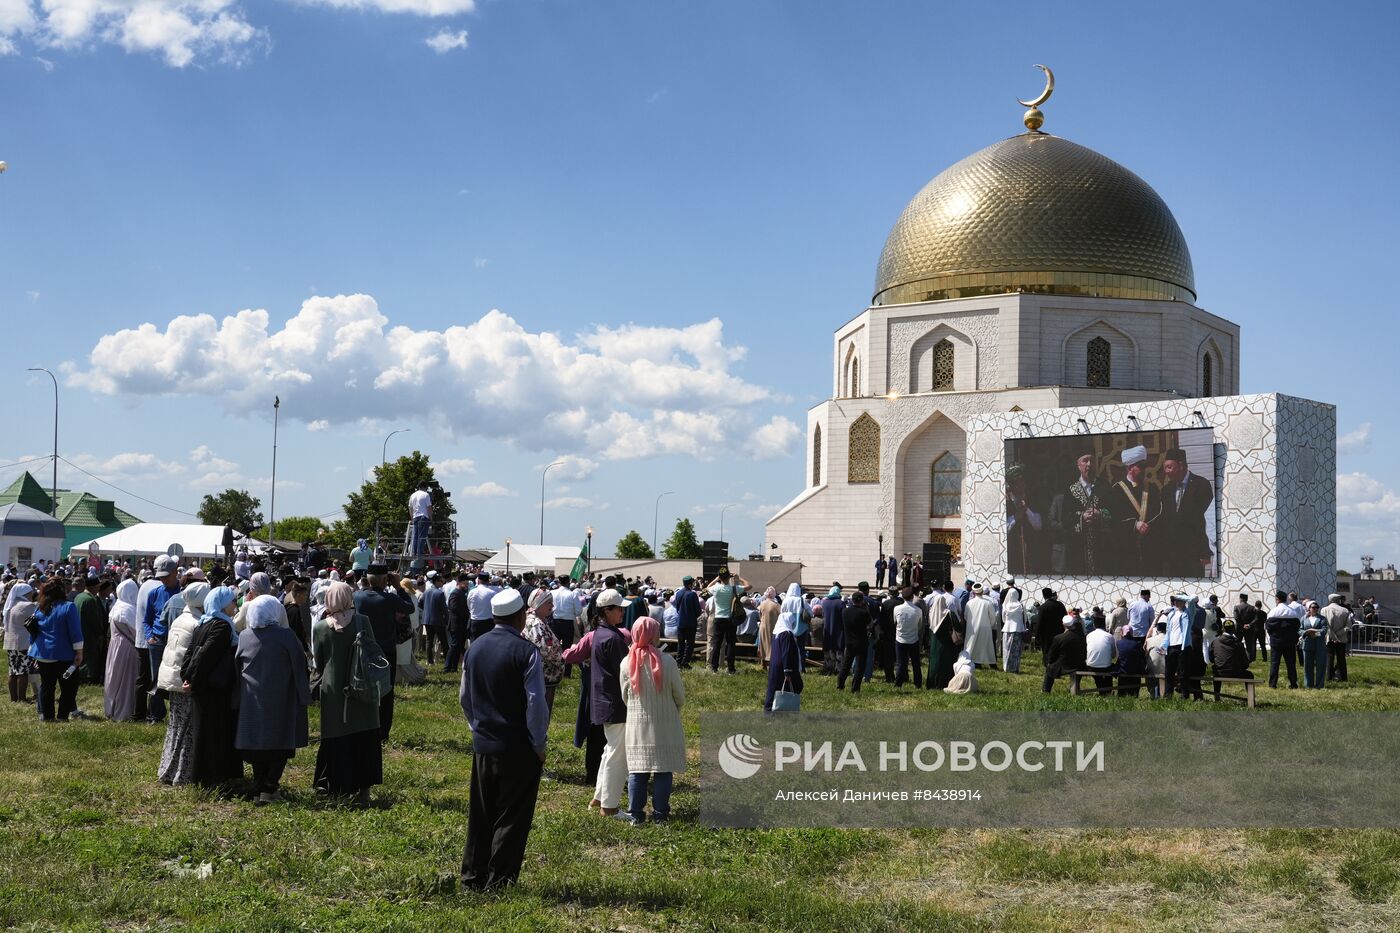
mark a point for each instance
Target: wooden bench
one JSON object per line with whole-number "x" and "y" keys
{"x": 743, "y": 649}
{"x": 1249, "y": 683}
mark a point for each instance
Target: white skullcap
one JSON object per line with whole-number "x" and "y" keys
{"x": 506, "y": 603}
{"x": 1067, "y": 621}
{"x": 1134, "y": 455}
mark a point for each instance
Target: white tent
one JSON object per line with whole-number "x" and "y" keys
{"x": 27, "y": 535}
{"x": 519, "y": 558}
{"x": 150, "y": 539}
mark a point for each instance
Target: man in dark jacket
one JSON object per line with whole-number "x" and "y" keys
{"x": 503, "y": 697}
{"x": 382, "y": 608}
{"x": 1282, "y": 626}
{"x": 1228, "y": 657}
{"x": 1132, "y": 664}
{"x": 434, "y": 615}
{"x": 884, "y": 635}
{"x": 459, "y": 622}
{"x": 855, "y": 620}
{"x": 1249, "y": 625}
{"x": 833, "y": 631}
{"x": 1048, "y": 626}
{"x": 1066, "y": 654}
{"x": 1182, "y": 545}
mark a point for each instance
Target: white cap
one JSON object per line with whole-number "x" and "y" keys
{"x": 1134, "y": 455}
{"x": 506, "y": 603}
{"x": 165, "y": 564}
{"x": 1067, "y": 621}
{"x": 432, "y": 574}
{"x": 611, "y": 598}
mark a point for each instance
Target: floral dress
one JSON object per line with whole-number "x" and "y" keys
{"x": 539, "y": 633}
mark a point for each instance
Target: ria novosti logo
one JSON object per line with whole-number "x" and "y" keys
{"x": 740, "y": 756}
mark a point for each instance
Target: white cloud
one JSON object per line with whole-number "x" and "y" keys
{"x": 443, "y": 41}
{"x": 454, "y": 467}
{"x": 481, "y": 262}
{"x": 320, "y": 424}
{"x": 126, "y": 466}
{"x": 572, "y": 467}
{"x": 182, "y": 32}
{"x": 47, "y": 66}
{"x": 1368, "y": 519}
{"x": 212, "y": 471}
{"x": 486, "y": 490}
{"x": 33, "y": 295}
{"x": 1355, "y": 441}
{"x": 657, "y": 95}
{"x": 569, "y": 502}
{"x": 616, "y": 393}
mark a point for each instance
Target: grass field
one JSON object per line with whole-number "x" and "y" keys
{"x": 90, "y": 840}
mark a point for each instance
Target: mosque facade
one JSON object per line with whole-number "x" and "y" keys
{"x": 1034, "y": 276}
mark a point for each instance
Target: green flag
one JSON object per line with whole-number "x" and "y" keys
{"x": 580, "y": 564}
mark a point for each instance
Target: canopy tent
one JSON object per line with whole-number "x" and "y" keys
{"x": 519, "y": 558}
{"x": 27, "y": 535}
{"x": 150, "y": 539}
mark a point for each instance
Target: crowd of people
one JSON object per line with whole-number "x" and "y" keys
{"x": 233, "y": 660}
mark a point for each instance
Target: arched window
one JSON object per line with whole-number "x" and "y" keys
{"x": 943, "y": 366}
{"x": 1207, "y": 376}
{"x": 855, "y": 378}
{"x": 947, "y": 486}
{"x": 817, "y": 456}
{"x": 863, "y": 457}
{"x": 1099, "y": 371}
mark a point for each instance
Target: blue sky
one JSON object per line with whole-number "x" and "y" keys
{"x": 670, "y": 206}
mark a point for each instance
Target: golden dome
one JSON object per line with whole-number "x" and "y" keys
{"x": 1039, "y": 214}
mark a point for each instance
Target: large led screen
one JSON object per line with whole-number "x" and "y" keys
{"x": 1137, "y": 504}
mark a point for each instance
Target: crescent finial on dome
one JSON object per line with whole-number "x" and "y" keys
{"x": 1033, "y": 118}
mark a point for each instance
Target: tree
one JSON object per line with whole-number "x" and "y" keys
{"x": 634, "y": 547}
{"x": 384, "y": 500}
{"x": 682, "y": 545}
{"x": 293, "y": 528}
{"x": 233, "y": 506}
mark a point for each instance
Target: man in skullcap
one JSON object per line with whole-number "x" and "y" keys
{"x": 1080, "y": 521}
{"x": 1134, "y": 505}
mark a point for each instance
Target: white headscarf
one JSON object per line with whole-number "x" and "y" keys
{"x": 17, "y": 592}
{"x": 263, "y": 612}
{"x": 792, "y": 610}
{"x": 123, "y": 610}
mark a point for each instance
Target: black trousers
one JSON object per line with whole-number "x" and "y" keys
{"x": 1104, "y": 681}
{"x": 563, "y": 630}
{"x": 1337, "y": 661}
{"x": 436, "y": 642}
{"x": 1256, "y": 635}
{"x": 52, "y": 687}
{"x": 907, "y": 654}
{"x": 685, "y": 650}
{"x": 853, "y": 666}
{"x": 724, "y": 635}
{"x": 268, "y": 765}
{"x": 504, "y": 788}
{"x": 386, "y": 717}
{"x": 593, "y": 746}
{"x": 456, "y": 645}
{"x": 1286, "y": 651}
{"x": 143, "y": 683}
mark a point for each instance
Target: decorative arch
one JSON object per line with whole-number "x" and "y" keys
{"x": 1210, "y": 369}
{"x": 850, "y": 373}
{"x": 1098, "y": 363}
{"x": 1123, "y": 355}
{"x": 863, "y": 456}
{"x": 945, "y": 495}
{"x": 942, "y": 360}
{"x": 817, "y": 456}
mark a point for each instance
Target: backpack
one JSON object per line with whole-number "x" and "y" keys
{"x": 369, "y": 679}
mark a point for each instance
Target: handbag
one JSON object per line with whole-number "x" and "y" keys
{"x": 785, "y": 700}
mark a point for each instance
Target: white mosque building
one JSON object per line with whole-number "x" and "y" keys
{"x": 1035, "y": 274}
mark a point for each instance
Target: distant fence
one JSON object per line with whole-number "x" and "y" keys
{"x": 1375, "y": 639}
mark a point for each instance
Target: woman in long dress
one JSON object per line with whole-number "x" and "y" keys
{"x": 208, "y": 671}
{"x": 177, "y": 758}
{"x": 123, "y": 663}
{"x": 943, "y": 648}
{"x": 654, "y": 694}
{"x": 350, "y": 759}
{"x": 767, "y": 616}
{"x": 274, "y": 694}
{"x": 19, "y": 606}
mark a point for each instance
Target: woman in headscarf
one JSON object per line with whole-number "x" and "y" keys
{"x": 350, "y": 759}
{"x": 259, "y": 584}
{"x": 540, "y": 633}
{"x": 19, "y": 606}
{"x": 784, "y": 652}
{"x": 209, "y": 675}
{"x": 274, "y": 692}
{"x": 409, "y": 671}
{"x": 768, "y": 612}
{"x": 123, "y": 662}
{"x": 964, "y": 677}
{"x": 654, "y": 694}
{"x": 945, "y": 634}
{"x": 177, "y": 759}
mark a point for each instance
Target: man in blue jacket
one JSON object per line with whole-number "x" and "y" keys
{"x": 503, "y": 697}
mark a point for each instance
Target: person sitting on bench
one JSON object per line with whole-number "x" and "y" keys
{"x": 1098, "y": 655}
{"x": 1228, "y": 655}
{"x": 1066, "y": 654}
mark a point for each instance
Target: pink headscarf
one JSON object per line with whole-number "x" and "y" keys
{"x": 340, "y": 605}
{"x": 645, "y": 633}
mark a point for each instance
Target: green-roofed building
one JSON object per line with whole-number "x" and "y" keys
{"x": 84, "y": 515}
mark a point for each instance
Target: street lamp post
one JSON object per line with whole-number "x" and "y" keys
{"x": 655, "y": 512}
{"x": 588, "y": 551}
{"x": 721, "y": 518}
{"x": 384, "y": 450}
{"x": 542, "y": 476}
{"x": 54, "y": 496}
{"x": 507, "y": 558}
{"x": 272, "y": 508}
